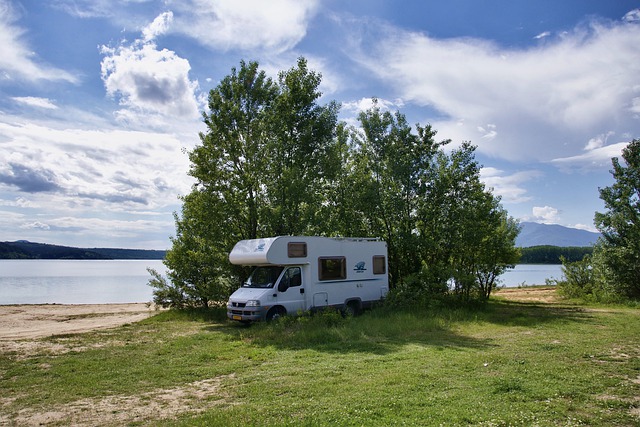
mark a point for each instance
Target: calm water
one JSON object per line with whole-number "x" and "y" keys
{"x": 530, "y": 274}
{"x": 75, "y": 281}
{"x": 120, "y": 281}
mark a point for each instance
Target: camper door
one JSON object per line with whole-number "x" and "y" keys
{"x": 290, "y": 291}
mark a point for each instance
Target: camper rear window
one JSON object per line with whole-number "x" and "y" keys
{"x": 297, "y": 249}
{"x": 379, "y": 264}
{"x": 332, "y": 268}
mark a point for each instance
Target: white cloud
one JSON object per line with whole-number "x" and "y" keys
{"x": 89, "y": 8}
{"x": 36, "y": 102}
{"x": 596, "y": 157}
{"x": 542, "y": 35}
{"x": 489, "y": 131}
{"x": 108, "y": 170}
{"x": 546, "y": 214}
{"x": 586, "y": 227}
{"x": 632, "y": 16}
{"x": 159, "y": 26}
{"x": 544, "y": 100}
{"x": 35, "y": 225}
{"x": 149, "y": 80}
{"x": 19, "y": 202}
{"x": 509, "y": 187}
{"x": 18, "y": 61}
{"x": 276, "y": 25}
{"x": 364, "y": 104}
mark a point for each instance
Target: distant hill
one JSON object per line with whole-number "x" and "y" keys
{"x": 23, "y": 249}
{"x": 534, "y": 234}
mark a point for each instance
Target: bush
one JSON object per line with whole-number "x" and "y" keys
{"x": 586, "y": 280}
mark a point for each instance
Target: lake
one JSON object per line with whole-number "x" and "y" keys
{"x": 76, "y": 281}
{"x": 122, "y": 281}
{"x": 530, "y": 274}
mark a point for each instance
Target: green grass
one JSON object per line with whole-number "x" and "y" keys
{"x": 504, "y": 364}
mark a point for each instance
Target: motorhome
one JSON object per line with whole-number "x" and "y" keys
{"x": 296, "y": 274}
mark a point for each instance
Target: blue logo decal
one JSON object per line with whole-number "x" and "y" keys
{"x": 260, "y": 247}
{"x": 359, "y": 268}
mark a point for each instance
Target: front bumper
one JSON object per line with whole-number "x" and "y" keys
{"x": 246, "y": 314}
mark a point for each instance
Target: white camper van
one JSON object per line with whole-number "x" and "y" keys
{"x": 295, "y": 274}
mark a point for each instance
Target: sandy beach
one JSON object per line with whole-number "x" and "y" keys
{"x": 19, "y": 322}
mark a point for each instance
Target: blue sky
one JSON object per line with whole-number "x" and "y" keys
{"x": 100, "y": 99}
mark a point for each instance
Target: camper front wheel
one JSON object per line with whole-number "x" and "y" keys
{"x": 275, "y": 313}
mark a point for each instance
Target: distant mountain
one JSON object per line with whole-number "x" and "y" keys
{"x": 23, "y": 249}
{"x": 534, "y": 234}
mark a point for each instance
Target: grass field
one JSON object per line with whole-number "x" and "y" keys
{"x": 506, "y": 364}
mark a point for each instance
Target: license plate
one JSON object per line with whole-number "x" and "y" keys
{"x": 237, "y": 317}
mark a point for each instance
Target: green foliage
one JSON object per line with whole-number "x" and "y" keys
{"x": 466, "y": 234}
{"x": 620, "y": 224}
{"x": 586, "y": 280}
{"x": 552, "y": 254}
{"x": 275, "y": 162}
{"x": 261, "y": 170}
{"x": 389, "y": 173}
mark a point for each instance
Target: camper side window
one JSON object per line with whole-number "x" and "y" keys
{"x": 332, "y": 268}
{"x": 297, "y": 249}
{"x": 292, "y": 277}
{"x": 379, "y": 264}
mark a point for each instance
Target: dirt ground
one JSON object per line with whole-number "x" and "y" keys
{"x": 545, "y": 294}
{"x": 18, "y": 322}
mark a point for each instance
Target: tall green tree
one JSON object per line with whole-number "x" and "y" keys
{"x": 223, "y": 206}
{"x": 467, "y": 237}
{"x": 620, "y": 224}
{"x": 390, "y": 177}
{"x": 261, "y": 169}
{"x": 302, "y": 158}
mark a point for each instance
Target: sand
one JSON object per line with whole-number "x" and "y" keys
{"x": 18, "y": 322}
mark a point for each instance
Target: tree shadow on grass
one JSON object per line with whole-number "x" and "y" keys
{"x": 531, "y": 314}
{"x": 384, "y": 330}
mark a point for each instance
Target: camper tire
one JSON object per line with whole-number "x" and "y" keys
{"x": 275, "y": 313}
{"x": 351, "y": 309}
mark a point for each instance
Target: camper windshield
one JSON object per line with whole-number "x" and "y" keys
{"x": 263, "y": 277}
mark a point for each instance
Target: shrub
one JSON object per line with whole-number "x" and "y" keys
{"x": 586, "y": 280}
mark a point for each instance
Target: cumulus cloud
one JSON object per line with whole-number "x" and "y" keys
{"x": 18, "y": 61}
{"x": 277, "y": 25}
{"x": 543, "y": 102}
{"x": 632, "y": 16}
{"x": 546, "y": 214}
{"x": 158, "y": 27}
{"x": 148, "y": 79}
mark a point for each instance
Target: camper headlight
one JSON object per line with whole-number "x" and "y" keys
{"x": 253, "y": 303}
